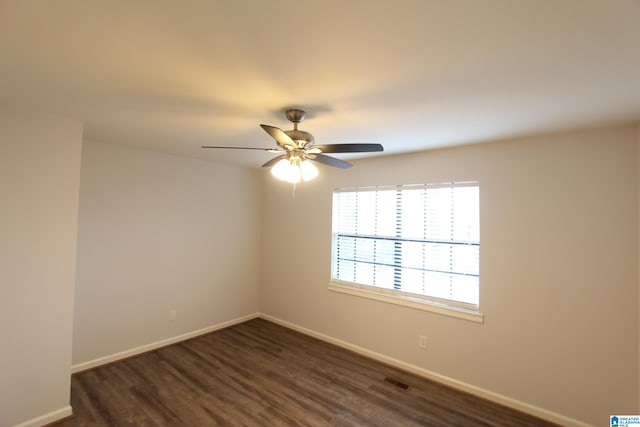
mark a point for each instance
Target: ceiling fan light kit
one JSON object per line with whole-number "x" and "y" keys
{"x": 297, "y": 151}
{"x": 294, "y": 170}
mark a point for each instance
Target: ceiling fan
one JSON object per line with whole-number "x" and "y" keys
{"x": 296, "y": 149}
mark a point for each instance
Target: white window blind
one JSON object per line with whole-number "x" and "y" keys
{"x": 420, "y": 241}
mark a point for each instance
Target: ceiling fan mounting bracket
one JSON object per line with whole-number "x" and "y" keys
{"x": 295, "y": 115}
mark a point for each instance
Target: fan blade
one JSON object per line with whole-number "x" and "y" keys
{"x": 279, "y": 135}
{"x": 274, "y": 161}
{"x": 270, "y": 150}
{"x": 349, "y": 148}
{"x": 331, "y": 161}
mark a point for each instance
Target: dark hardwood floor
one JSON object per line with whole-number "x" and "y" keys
{"x": 260, "y": 374}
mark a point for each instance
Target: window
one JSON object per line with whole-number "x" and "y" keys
{"x": 417, "y": 245}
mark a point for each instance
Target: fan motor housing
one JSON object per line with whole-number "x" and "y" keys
{"x": 302, "y": 138}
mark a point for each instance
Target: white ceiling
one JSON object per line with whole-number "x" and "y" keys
{"x": 412, "y": 75}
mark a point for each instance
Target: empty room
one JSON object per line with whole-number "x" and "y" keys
{"x": 261, "y": 213}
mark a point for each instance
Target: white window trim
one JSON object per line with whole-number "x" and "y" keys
{"x": 393, "y": 297}
{"x": 432, "y": 304}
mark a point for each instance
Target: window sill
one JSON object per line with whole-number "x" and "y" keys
{"x": 403, "y": 300}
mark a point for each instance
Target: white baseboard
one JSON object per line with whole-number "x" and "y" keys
{"x": 49, "y": 418}
{"x": 469, "y": 388}
{"x": 158, "y": 344}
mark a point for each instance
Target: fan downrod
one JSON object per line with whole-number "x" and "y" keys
{"x": 302, "y": 139}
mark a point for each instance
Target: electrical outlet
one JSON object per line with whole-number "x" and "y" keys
{"x": 172, "y": 315}
{"x": 422, "y": 342}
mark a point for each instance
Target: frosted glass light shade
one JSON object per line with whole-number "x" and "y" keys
{"x": 308, "y": 170}
{"x": 285, "y": 171}
{"x": 293, "y": 170}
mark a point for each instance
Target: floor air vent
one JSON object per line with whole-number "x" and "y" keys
{"x": 397, "y": 383}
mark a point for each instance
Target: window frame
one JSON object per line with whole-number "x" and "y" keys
{"x": 433, "y": 304}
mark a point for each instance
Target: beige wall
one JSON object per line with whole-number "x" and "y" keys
{"x": 39, "y": 180}
{"x": 159, "y": 233}
{"x": 559, "y": 270}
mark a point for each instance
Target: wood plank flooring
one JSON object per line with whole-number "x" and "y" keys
{"x": 260, "y": 374}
